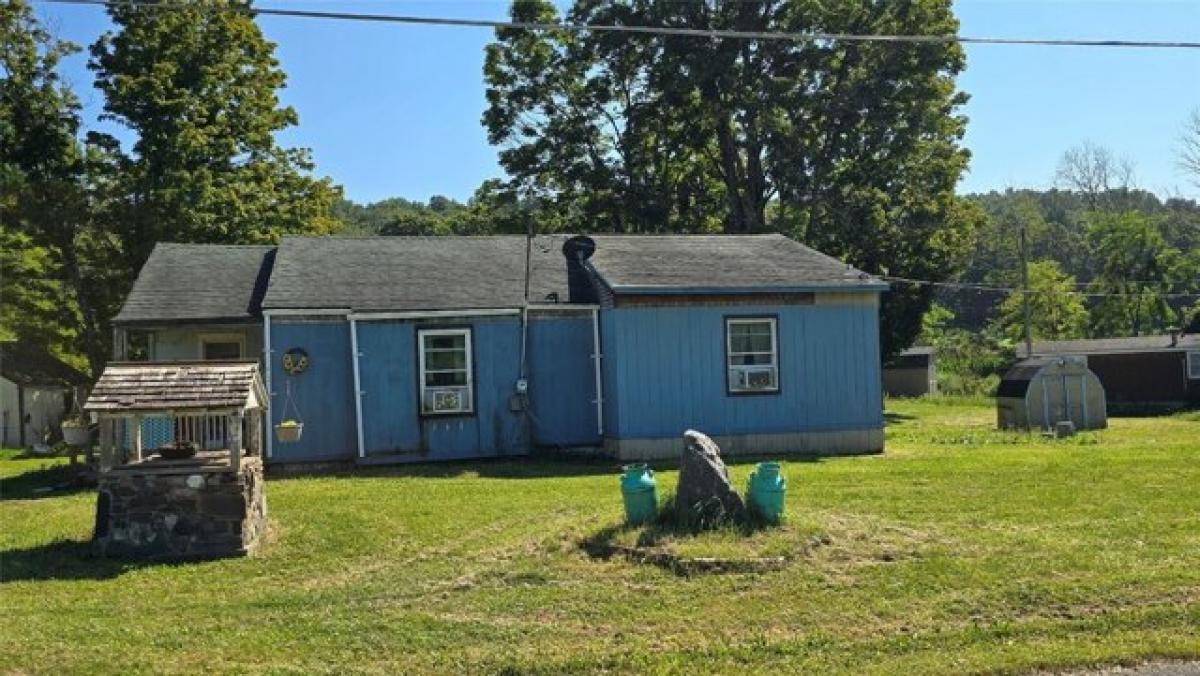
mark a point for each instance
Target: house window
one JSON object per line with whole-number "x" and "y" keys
{"x": 752, "y": 351}
{"x": 139, "y": 345}
{"x": 1193, "y": 365}
{"x": 446, "y": 380}
{"x": 221, "y": 347}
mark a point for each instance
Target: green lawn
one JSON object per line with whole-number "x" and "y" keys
{"x": 960, "y": 549}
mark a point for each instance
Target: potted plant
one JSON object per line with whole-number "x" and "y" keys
{"x": 77, "y": 431}
{"x": 289, "y": 430}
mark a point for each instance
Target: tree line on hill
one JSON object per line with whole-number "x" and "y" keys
{"x": 854, "y": 149}
{"x": 1103, "y": 261}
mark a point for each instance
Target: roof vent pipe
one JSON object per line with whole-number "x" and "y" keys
{"x": 578, "y": 249}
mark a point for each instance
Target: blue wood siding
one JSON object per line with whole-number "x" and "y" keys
{"x": 389, "y": 372}
{"x": 323, "y": 393}
{"x": 562, "y": 381}
{"x": 609, "y": 370}
{"x": 666, "y": 366}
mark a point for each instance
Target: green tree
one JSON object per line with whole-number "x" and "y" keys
{"x": 586, "y": 134}
{"x": 968, "y": 362}
{"x": 1137, "y": 267}
{"x": 56, "y": 255}
{"x": 852, "y": 148}
{"x": 197, "y": 84}
{"x": 1057, "y": 310}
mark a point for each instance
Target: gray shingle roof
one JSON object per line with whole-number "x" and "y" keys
{"x": 199, "y": 282}
{"x": 1114, "y": 345}
{"x": 689, "y": 263}
{"x": 176, "y": 386}
{"x": 413, "y": 273}
{"x": 430, "y": 273}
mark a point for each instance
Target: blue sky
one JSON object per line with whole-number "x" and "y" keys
{"x": 392, "y": 110}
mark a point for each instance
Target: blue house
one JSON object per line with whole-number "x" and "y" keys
{"x": 397, "y": 349}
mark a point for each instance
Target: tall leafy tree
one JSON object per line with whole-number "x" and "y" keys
{"x": 584, "y": 132}
{"x": 196, "y": 82}
{"x": 852, "y": 148}
{"x": 1138, "y": 268}
{"x": 56, "y": 255}
{"x": 1057, "y": 310}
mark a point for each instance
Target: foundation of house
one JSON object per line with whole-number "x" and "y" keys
{"x": 823, "y": 443}
{"x": 181, "y": 509}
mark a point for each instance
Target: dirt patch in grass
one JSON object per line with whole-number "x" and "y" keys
{"x": 835, "y": 544}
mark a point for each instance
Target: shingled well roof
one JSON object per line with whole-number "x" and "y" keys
{"x": 204, "y": 283}
{"x": 431, "y": 273}
{"x": 176, "y": 386}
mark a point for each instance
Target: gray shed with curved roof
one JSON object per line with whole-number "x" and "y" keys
{"x": 1041, "y": 392}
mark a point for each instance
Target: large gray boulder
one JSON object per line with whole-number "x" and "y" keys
{"x": 704, "y": 491}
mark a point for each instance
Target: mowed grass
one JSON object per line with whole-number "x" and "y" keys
{"x": 961, "y": 549}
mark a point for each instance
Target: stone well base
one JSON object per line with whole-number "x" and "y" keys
{"x": 180, "y": 509}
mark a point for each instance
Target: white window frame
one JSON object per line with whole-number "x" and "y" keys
{"x": 1193, "y": 365}
{"x": 469, "y": 388}
{"x": 730, "y": 367}
{"x": 206, "y": 338}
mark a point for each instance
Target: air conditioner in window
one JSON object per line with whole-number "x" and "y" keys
{"x": 761, "y": 379}
{"x": 448, "y": 400}
{"x": 753, "y": 378}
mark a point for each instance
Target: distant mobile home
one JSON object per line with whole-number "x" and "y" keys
{"x": 1139, "y": 374}
{"x": 398, "y": 349}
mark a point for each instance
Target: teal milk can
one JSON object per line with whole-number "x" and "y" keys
{"x": 766, "y": 491}
{"x": 640, "y": 492}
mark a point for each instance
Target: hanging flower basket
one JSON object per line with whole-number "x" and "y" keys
{"x": 289, "y": 431}
{"x": 76, "y": 433}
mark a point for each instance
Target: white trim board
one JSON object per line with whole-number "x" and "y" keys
{"x": 432, "y": 314}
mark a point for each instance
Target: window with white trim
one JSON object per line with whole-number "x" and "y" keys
{"x": 446, "y": 377}
{"x": 1193, "y": 365}
{"x": 752, "y": 354}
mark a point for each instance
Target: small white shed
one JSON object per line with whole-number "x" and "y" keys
{"x": 36, "y": 390}
{"x": 1041, "y": 392}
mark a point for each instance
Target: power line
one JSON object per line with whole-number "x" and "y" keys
{"x": 698, "y": 33}
{"x": 968, "y": 286}
{"x": 648, "y": 30}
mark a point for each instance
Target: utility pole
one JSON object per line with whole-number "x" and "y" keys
{"x": 1025, "y": 294}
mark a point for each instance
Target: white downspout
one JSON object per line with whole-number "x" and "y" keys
{"x": 267, "y": 376}
{"x": 358, "y": 393}
{"x": 596, "y": 356}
